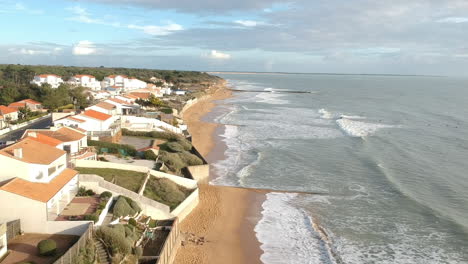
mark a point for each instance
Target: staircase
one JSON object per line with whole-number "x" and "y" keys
{"x": 102, "y": 255}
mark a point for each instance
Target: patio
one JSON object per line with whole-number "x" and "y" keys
{"x": 79, "y": 207}
{"x": 24, "y": 248}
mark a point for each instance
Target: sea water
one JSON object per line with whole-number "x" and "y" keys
{"x": 384, "y": 158}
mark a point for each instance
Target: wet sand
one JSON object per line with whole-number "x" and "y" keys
{"x": 221, "y": 228}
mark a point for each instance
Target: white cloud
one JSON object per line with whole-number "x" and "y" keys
{"x": 34, "y": 51}
{"x": 455, "y": 20}
{"x": 82, "y": 15}
{"x": 214, "y": 54}
{"x": 158, "y": 30}
{"x": 248, "y": 23}
{"x": 84, "y": 47}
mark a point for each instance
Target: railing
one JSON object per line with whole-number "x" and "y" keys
{"x": 13, "y": 229}
{"x": 172, "y": 243}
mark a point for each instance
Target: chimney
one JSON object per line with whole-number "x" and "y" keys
{"x": 18, "y": 153}
{"x": 32, "y": 134}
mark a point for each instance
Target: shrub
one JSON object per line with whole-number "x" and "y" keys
{"x": 138, "y": 251}
{"x": 122, "y": 208}
{"x": 105, "y": 195}
{"x": 153, "y": 134}
{"x": 149, "y": 155}
{"x": 47, "y": 247}
{"x": 165, "y": 191}
{"x": 174, "y": 146}
{"x": 190, "y": 159}
{"x": 172, "y": 160}
{"x": 103, "y": 159}
{"x": 81, "y": 191}
{"x": 91, "y": 217}
{"x": 90, "y": 193}
{"x": 185, "y": 144}
{"x": 114, "y": 237}
{"x": 133, "y": 204}
{"x": 132, "y": 222}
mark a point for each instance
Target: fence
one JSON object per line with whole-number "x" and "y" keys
{"x": 13, "y": 229}
{"x": 171, "y": 245}
{"x": 74, "y": 251}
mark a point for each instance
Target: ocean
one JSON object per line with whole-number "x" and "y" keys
{"x": 380, "y": 164}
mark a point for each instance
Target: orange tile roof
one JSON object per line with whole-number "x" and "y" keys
{"x": 130, "y": 96}
{"x": 141, "y": 95}
{"x": 30, "y": 101}
{"x": 43, "y": 139}
{"x": 106, "y": 106}
{"x": 116, "y": 100}
{"x": 75, "y": 119}
{"x": 17, "y": 105}
{"x": 33, "y": 152}
{"x": 96, "y": 115}
{"x": 1, "y": 117}
{"x": 63, "y": 134}
{"x": 83, "y": 75}
{"x": 4, "y": 110}
{"x": 41, "y": 192}
{"x": 45, "y": 75}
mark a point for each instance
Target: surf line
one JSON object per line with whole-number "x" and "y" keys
{"x": 263, "y": 91}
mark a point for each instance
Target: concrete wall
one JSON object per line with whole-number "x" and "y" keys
{"x": 33, "y": 214}
{"x": 149, "y": 207}
{"x": 76, "y": 228}
{"x": 15, "y": 168}
{"x": 127, "y": 122}
{"x": 186, "y": 207}
{"x": 104, "y": 212}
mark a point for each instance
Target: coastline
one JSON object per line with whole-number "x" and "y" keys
{"x": 221, "y": 228}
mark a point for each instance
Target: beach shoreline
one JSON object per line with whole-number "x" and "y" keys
{"x": 226, "y": 216}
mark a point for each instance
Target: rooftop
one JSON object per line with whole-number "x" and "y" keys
{"x": 106, "y": 106}
{"x": 4, "y": 110}
{"x": 141, "y": 95}
{"x": 96, "y": 115}
{"x": 43, "y": 139}
{"x": 33, "y": 152}
{"x": 115, "y": 100}
{"x": 42, "y": 192}
{"x": 63, "y": 134}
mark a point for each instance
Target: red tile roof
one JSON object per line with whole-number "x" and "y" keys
{"x": 75, "y": 119}
{"x": 84, "y": 75}
{"x": 41, "y": 192}
{"x": 105, "y": 105}
{"x": 116, "y": 100}
{"x": 63, "y": 134}
{"x": 96, "y": 115}
{"x": 141, "y": 95}
{"x": 46, "y": 75}
{"x": 33, "y": 152}
{"x": 4, "y": 110}
{"x": 23, "y": 103}
{"x": 43, "y": 139}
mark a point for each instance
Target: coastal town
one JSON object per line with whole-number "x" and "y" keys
{"x": 106, "y": 183}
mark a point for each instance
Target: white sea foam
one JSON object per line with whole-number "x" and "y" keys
{"x": 358, "y": 128}
{"x": 287, "y": 234}
{"x": 326, "y": 114}
{"x": 271, "y": 98}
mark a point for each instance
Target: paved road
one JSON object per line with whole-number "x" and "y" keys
{"x": 16, "y": 134}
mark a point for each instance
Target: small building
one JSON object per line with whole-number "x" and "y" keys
{"x": 123, "y": 107}
{"x": 8, "y": 113}
{"x": 180, "y": 92}
{"x": 105, "y": 107}
{"x": 53, "y": 80}
{"x": 100, "y": 95}
{"x": 85, "y": 80}
{"x": 27, "y": 103}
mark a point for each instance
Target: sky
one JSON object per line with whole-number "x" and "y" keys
{"x": 330, "y": 36}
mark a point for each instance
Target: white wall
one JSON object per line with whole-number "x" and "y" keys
{"x": 33, "y": 214}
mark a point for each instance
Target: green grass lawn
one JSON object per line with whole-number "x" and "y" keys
{"x": 129, "y": 180}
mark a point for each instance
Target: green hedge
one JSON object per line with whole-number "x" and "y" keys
{"x": 153, "y": 134}
{"x": 47, "y": 247}
{"x": 166, "y": 191}
{"x": 113, "y": 147}
{"x": 125, "y": 207}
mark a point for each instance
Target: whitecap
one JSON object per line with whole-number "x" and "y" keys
{"x": 358, "y": 128}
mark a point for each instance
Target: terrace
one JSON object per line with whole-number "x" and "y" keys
{"x": 79, "y": 207}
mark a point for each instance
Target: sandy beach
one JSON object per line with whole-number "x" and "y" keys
{"x": 221, "y": 228}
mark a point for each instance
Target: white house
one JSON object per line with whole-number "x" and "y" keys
{"x": 180, "y": 92}
{"x": 85, "y": 80}
{"x": 123, "y": 82}
{"x": 90, "y": 120}
{"x": 106, "y": 108}
{"x": 166, "y": 90}
{"x": 73, "y": 141}
{"x": 100, "y": 95}
{"x": 52, "y": 79}
{"x": 8, "y": 113}
{"x": 37, "y": 185}
{"x": 123, "y": 107}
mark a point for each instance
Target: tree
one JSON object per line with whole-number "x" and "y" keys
{"x": 24, "y": 112}
{"x": 8, "y": 95}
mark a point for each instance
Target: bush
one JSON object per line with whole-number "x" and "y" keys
{"x": 106, "y": 195}
{"x": 81, "y": 191}
{"x": 103, "y": 159}
{"x": 166, "y": 191}
{"x": 153, "y": 134}
{"x": 185, "y": 144}
{"x": 172, "y": 160}
{"x": 133, "y": 204}
{"x": 174, "y": 146}
{"x": 90, "y": 193}
{"x": 91, "y": 217}
{"x": 47, "y": 247}
{"x": 190, "y": 159}
{"x": 122, "y": 208}
{"x": 138, "y": 251}
{"x": 132, "y": 222}
{"x": 149, "y": 155}
{"x": 114, "y": 237}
